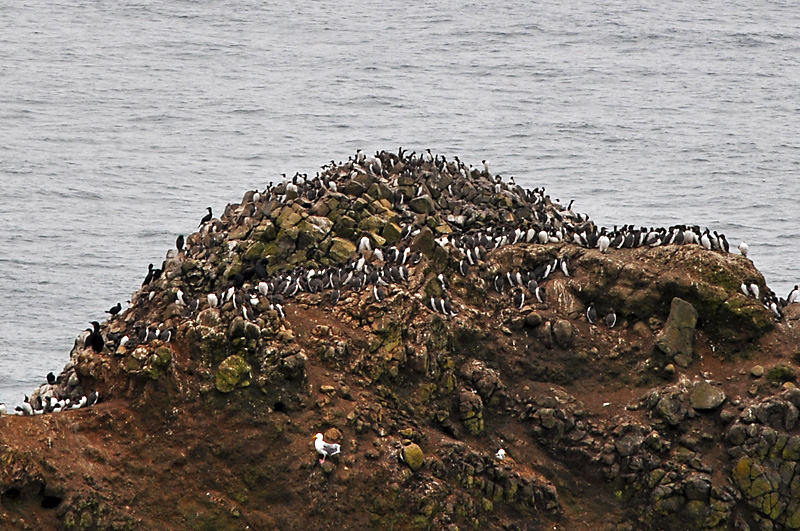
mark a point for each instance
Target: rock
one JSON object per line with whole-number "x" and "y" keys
{"x": 671, "y": 409}
{"x": 413, "y": 456}
{"x": 424, "y": 242}
{"x": 697, "y": 487}
{"x": 533, "y": 320}
{"x": 705, "y": 397}
{"x": 208, "y": 317}
{"x": 233, "y": 372}
{"x": 757, "y": 371}
{"x": 676, "y": 339}
{"x": 562, "y": 331}
{"x": 341, "y": 250}
{"x": 422, "y": 204}
{"x": 628, "y": 445}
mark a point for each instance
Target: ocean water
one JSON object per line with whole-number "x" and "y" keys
{"x": 121, "y": 121}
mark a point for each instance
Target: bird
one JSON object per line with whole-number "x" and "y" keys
{"x": 793, "y": 295}
{"x": 149, "y": 278}
{"x": 26, "y": 408}
{"x": 379, "y": 293}
{"x": 591, "y": 314}
{"x": 743, "y": 248}
{"x": 206, "y": 218}
{"x": 325, "y": 449}
{"x": 114, "y": 310}
{"x": 754, "y": 290}
{"x": 51, "y": 378}
{"x": 519, "y": 299}
{"x": 2, "y": 408}
{"x": 603, "y": 242}
{"x": 93, "y": 398}
{"x": 500, "y": 455}
{"x": 611, "y": 319}
{"x": 541, "y": 294}
{"x": 179, "y": 242}
{"x": 95, "y": 338}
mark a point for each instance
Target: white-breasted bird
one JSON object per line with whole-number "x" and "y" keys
{"x": 325, "y": 449}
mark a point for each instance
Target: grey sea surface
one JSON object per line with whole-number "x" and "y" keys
{"x": 121, "y": 121}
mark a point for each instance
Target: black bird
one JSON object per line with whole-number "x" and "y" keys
{"x": 519, "y": 299}
{"x": 179, "y": 242}
{"x": 92, "y": 399}
{"x": 95, "y": 339}
{"x": 51, "y": 378}
{"x": 149, "y": 278}
{"x": 591, "y": 314}
{"x": 114, "y": 310}
{"x": 206, "y": 218}
{"x": 611, "y": 319}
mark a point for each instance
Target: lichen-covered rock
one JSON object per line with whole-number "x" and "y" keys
{"x": 705, "y": 396}
{"x": 677, "y": 338}
{"x": 233, "y": 372}
{"x": 413, "y": 456}
{"x": 341, "y": 249}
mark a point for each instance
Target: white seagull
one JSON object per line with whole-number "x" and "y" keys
{"x": 325, "y": 449}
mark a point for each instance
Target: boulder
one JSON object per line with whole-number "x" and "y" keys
{"x": 233, "y": 372}
{"x": 705, "y": 397}
{"x": 676, "y": 339}
{"x": 341, "y": 250}
{"x": 562, "y": 331}
{"x": 422, "y": 204}
{"x": 413, "y": 456}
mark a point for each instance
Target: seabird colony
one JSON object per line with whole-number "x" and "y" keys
{"x": 483, "y": 212}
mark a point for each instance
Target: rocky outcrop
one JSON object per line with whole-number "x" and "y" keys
{"x": 423, "y": 315}
{"x": 676, "y": 339}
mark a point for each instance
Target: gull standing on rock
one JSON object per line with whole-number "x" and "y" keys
{"x": 325, "y": 449}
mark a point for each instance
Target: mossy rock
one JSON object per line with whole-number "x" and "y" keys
{"x": 209, "y": 344}
{"x": 254, "y": 251}
{"x": 341, "y": 250}
{"x": 705, "y": 397}
{"x": 266, "y": 231}
{"x": 288, "y": 218}
{"x": 413, "y": 456}
{"x": 233, "y": 372}
{"x": 162, "y": 357}
{"x": 391, "y": 233}
{"x": 372, "y": 224}
{"x": 781, "y": 373}
{"x": 157, "y": 363}
{"x": 345, "y": 227}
